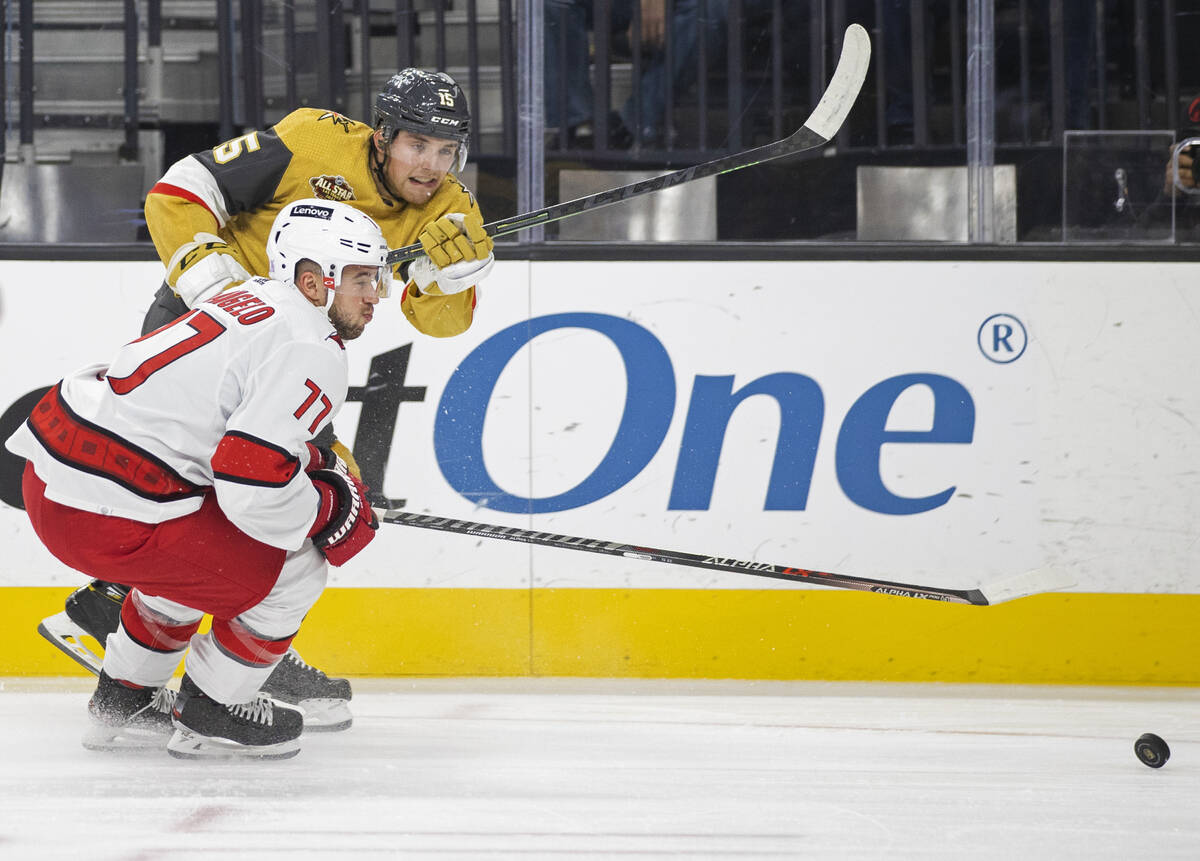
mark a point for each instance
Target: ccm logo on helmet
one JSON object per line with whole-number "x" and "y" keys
{"x": 314, "y": 211}
{"x": 446, "y": 121}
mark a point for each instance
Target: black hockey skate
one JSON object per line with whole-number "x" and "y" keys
{"x": 94, "y": 611}
{"x": 207, "y": 729}
{"x": 128, "y": 718}
{"x": 91, "y": 614}
{"x": 324, "y": 701}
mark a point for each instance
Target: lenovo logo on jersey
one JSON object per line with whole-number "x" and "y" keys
{"x": 310, "y": 211}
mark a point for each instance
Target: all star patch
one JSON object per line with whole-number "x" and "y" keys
{"x": 331, "y": 188}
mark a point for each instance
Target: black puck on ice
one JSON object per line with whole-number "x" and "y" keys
{"x": 1152, "y": 750}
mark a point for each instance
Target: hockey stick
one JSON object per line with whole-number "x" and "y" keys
{"x": 820, "y": 127}
{"x": 1004, "y": 589}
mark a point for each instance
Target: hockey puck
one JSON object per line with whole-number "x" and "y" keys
{"x": 1152, "y": 750}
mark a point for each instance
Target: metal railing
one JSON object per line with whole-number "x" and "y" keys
{"x": 1060, "y": 66}
{"x": 919, "y": 71}
{"x": 770, "y": 66}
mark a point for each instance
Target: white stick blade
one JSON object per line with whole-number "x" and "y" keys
{"x": 829, "y": 114}
{"x": 1023, "y": 585}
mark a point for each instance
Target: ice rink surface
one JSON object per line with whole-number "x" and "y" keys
{"x": 558, "y": 768}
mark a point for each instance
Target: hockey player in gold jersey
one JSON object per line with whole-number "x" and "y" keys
{"x": 210, "y": 216}
{"x": 210, "y": 213}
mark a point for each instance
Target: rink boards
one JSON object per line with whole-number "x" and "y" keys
{"x": 927, "y": 422}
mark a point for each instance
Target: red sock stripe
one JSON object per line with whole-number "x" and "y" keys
{"x": 244, "y": 646}
{"x": 152, "y": 631}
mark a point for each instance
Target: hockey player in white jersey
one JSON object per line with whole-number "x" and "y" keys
{"x": 210, "y": 217}
{"x": 182, "y": 469}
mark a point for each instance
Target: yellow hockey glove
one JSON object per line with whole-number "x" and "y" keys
{"x": 455, "y": 238}
{"x": 202, "y": 268}
{"x": 342, "y": 451}
{"x": 454, "y": 278}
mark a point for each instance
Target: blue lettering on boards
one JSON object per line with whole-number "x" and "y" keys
{"x": 864, "y": 433}
{"x": 649, "y": 405}
{"x": 801, "y": 409}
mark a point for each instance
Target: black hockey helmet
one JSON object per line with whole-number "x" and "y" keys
{"x": 427, "y": 103}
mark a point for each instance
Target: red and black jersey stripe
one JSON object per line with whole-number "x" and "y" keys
{"x": 72, "y": 440}
{"x": 244, "y": 459}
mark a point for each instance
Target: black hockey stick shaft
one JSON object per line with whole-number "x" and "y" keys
{"x": 821, "y": 125}
{"x": 691, "y": 560}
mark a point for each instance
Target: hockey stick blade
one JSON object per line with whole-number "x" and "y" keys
{"x": 1004, "y": 590}
{"x": 1033, "y": 582}
{"x": 820, "y": 127}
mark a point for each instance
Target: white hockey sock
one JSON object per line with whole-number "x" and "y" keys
{"x": 129, "y": 661}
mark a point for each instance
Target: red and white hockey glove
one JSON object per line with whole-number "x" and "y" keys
{"x": 320, "y": 457}
{"x": 335, "y": 456}
{"x": 345, "y": 523}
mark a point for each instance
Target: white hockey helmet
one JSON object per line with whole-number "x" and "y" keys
{"x": 333, "y": 235}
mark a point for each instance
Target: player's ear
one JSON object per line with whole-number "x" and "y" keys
{"x": 309, "y": 283}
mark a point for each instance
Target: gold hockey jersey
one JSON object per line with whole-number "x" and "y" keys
{"x": 243, "y": 183}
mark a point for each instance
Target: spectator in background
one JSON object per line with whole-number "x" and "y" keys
{"x": 1182, "y": 197}
{"x": 568, "y": 92}
{"x": 1079, "y": 38}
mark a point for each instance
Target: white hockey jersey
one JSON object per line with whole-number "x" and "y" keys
{"x": 221, "y": 401}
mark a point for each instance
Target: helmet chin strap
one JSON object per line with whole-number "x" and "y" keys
{"x": 379, "y": 161}
{"x": 330, "y": 292}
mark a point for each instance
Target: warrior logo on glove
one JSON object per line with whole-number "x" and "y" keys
{"x": 345, "y": 524}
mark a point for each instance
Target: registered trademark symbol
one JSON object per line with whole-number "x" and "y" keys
{"x": 1002, "y": 338}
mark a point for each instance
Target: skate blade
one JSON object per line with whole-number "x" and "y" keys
{"x": 326, "y": 715}
{"x": 188, "y": 745}
{"x": 69, "y": 638}
{"x": 124, "y": 739}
